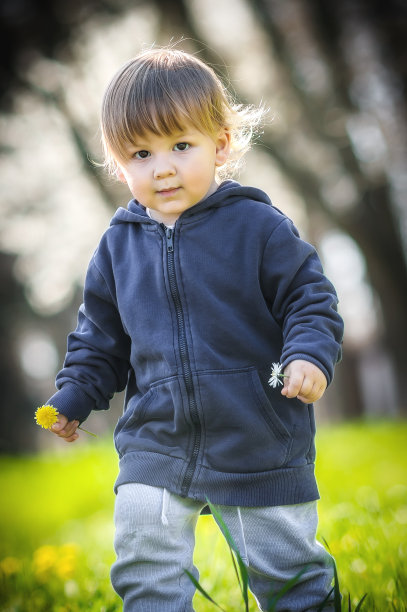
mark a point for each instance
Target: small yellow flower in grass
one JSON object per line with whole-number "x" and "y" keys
{"x": 56, "y": 561}
{"x": 44, "y": 561}
{"x": 46, "y": 416}
{"x": 68, "y": 561}
{"x": 10, "y": 566}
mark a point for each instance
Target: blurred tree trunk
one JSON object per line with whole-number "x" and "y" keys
{"x": 374, "y": 223}
{"x": 16, "y": 408}
{"x": 375, "y": 229}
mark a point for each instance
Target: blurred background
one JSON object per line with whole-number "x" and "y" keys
{"x": 332, "y": 156}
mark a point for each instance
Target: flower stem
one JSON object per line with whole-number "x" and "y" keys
{"x": 88, "y": 432}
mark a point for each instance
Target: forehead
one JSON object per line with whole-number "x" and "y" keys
{"x": 150, "y": 138}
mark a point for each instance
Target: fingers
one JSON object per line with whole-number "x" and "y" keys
{"x": 296, "y": 383}
{"x": 312, "y": 396}
{"x": 305, "y": 390}
{"x": 66, "y": 429}
{"x": 304, "y": 381}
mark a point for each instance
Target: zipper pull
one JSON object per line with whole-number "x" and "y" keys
{"x": 170, "y": 239}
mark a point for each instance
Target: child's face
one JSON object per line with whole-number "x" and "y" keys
{"x": 169, "y": 174}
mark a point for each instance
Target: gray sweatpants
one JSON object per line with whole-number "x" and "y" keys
{"x": 155, "y": 540}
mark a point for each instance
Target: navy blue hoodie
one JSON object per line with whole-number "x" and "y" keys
{"x": 189, "y": 321}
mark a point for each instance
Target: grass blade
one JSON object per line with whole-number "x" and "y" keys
{"x": 327, "y": 598}
{"x": 235, "y": 568}
{"x": 244, "y": 576}
{"x": 202, "y": 590}
{"x": 359, "y": 606}
{"x": 337, "y": 591}
{"x": 275, "y": 598}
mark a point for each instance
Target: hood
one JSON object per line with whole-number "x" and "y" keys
{"x": 227, "y": 193}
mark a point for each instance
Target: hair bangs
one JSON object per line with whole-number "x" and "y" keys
{"x": 159, "y": 107}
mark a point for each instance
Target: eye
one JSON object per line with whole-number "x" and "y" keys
{"x": 141, "y": 154}
{"x": 181, "y": 146}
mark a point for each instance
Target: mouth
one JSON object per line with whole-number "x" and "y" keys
{"x": 168, "y": 192}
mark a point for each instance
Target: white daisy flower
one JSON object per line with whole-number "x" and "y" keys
{"x": 276, "y": 375}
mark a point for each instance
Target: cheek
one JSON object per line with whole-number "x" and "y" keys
{"x": 202, "y": 166}
{"x": 136, "y": 180}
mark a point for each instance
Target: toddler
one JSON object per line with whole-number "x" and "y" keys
{"x": 194, "y": 291}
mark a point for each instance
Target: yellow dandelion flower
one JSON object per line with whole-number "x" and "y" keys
{"x": 68, "y": 560}
{"x": 66, "y": 568}
{"x": 45, "y": 560}
{"x": 46, "y": 416}
{"x": 10, "y": 566}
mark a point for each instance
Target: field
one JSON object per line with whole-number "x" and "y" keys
{"x": 56, "y": 525}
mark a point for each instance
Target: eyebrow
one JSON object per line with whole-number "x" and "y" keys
{"x": 175, "y": 136}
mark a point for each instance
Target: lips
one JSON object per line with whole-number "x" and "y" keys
{"x": 169, "y": 191}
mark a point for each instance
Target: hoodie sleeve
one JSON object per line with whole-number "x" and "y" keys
{"x": 97, "y": 361}
{"x": 302, "y": 300}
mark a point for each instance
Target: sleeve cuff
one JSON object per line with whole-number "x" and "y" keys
{"x": 328, "y": 374}
{"x": 72, "y": 402}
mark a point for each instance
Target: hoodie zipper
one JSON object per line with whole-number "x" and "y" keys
{"x": 185, "y": 361}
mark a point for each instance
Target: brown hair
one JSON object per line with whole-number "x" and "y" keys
{"x": 162, "y": 91}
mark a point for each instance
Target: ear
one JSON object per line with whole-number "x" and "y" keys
{"x": 222, "y": 147}
{"x": 120, "y": 175}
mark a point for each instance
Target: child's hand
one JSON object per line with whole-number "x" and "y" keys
{"x": 304, "y": 381}
{"x": 66, "y": 429}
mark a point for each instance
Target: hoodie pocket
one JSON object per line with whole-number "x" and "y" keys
{"x": 155, "y": 422}
{"x": 135, "y": 410}
{"x": 243, "y": 432}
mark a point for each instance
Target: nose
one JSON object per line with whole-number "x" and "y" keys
{"x": 163, "y": 167}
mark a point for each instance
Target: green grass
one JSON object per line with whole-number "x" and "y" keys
{"x": 56, "y": 527}
{"x": 362, "y": 473}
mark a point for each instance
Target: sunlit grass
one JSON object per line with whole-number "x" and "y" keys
{"x": 56, "y": 527}
{"x": 362, "y": 473}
